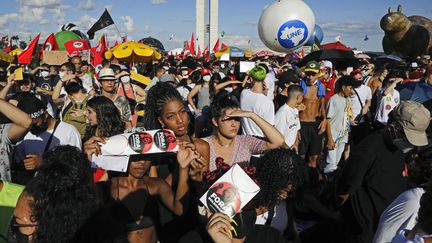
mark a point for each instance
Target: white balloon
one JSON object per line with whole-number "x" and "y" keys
{"x": 286, "y": 25}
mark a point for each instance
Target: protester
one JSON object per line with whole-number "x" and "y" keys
{"x": 46, "y": 133}
{"x": 402, "y": 212}
{"x": 45, "y": 82}
{"x": 158, "y": 74}
{"x": 58, "y": 201}
{"x": 287, "y": 117}
{"x": 256, "y": 101}
{"x": 372, "y": 177}
{"x": 108, "y": 80}
{"x": 339, "y": 117}
{"x": 202, "y": 90}
{"x": 313, "y": 118}
{"x": 328, "y": 78}
{"x": 286, "y": 79}
{"x": 388, "y": 99}
{"x": 227, "y": 144}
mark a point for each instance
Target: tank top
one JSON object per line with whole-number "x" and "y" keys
{"x": 203, "y": 97}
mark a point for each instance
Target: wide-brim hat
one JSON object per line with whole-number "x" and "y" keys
{"x": 107, "y": 74}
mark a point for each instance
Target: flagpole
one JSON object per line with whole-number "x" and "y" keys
{"x": 118, "y": 31}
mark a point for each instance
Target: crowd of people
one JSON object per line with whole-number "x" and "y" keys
{"x": 338, "y": 156}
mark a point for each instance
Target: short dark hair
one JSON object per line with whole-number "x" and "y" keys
{"x": 293, "y": 90}
{"x": 69, "y": 66}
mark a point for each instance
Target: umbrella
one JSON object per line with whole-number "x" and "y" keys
{"x": 16, "y": 51}
{"x": 6, "y": 57}
{"x": 264, "y": 53}
{"x": 362, "y": 56}
{"x": 335, "y": 56}
{"x": 133, "y": 52}
{"x": 416, "y": 91}
{"x": 391, "y": 58}
{"x": 152, "y": 42}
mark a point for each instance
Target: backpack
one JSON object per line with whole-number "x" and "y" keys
{"x": 80, "y": 122}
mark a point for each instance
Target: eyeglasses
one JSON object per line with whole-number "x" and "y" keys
{"x": 14, "y": 229}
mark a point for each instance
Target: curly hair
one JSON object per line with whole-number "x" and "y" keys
{"x": 420, "y": 171}
{"x": 277, "y": 169}
{"x": 63, "y": 194}
{"x": 424, "y": 219}
{"x": 157, "y": 97}
{"x": 108, "y": 118}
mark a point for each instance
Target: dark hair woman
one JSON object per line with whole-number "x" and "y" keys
{"x": 105, "y": 121}
{"x": 227, "y": 144}
{"x": 58, "y": 201}
{"x": 133, "y": 197}
{"x": 165, "y": 109}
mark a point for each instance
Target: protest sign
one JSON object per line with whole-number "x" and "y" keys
{"x": 55, "y": 57}
{"x": 231, "y": 192}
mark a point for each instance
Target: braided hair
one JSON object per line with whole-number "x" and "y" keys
{"x": 157, "y": 97}
{"x": 277, "y": 169}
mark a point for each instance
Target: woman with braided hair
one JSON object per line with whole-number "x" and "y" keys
{"x": 165, "y": 109}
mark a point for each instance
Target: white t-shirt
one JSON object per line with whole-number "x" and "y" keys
{"x": 269, "y": 81}
{"x": 288, "y": 123}
{"x": 400, "y": 214}
{"x": 365, "y": 94}
{"x": 386, "y": 105}
{"x": 183, "y": 92}
{"x": 260, "y": 105}
{"x": 65, "y": 134}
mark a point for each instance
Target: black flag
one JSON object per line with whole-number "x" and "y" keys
{"x": 104, "y": 21}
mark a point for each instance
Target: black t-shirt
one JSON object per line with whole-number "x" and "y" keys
{"x": 47, "y": 84}
{"x": 373, "y": 178}
{"x": 264, "y": 234}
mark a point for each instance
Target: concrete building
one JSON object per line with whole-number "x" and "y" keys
{"x": 201, "y": 26}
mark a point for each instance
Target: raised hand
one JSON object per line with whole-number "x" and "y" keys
{"x": 186, "y": 153}
{"x": 92, "y": 146}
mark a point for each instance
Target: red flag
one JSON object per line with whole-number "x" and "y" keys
{"x": 50, "y": 44}
{"x": 205, "y": 50}
{"x": 224, "y": 46}
{"x": 74, "y": 47}
{"x": 216, "y": 46}
{"x": 199, "y": 52}
{"x": 187, "y": 46}
{"x": 9, "y": 47}
{"x": 302, "y": 52}
{"x": 192, "y": 46}
{"x": 98, "y": 52}
{"x": 25, "y": 57}
{"x": 116, "y": 44}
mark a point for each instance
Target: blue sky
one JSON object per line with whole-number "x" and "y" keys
{"x": 163, "y": 18}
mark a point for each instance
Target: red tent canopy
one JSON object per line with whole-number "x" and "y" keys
{"x": 336, "y": 45}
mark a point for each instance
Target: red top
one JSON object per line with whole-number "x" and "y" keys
{"x": 329, "y": 87}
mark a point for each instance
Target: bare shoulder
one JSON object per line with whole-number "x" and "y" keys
{"x": 200, "y": 143}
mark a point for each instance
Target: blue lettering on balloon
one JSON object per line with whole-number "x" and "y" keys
{"x": 292, "y": 34}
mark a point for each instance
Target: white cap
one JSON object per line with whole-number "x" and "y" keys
{"x": 414, "y": 65}
{"x": 326, "y": 64}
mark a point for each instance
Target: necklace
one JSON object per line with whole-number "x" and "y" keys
{"x": 224, "y": 145}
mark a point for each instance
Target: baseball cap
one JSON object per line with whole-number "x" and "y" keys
{"x": 33, "y": 106}
{"x": 312, "y": 66}
{"x": 205, "y": 71}
{"x": 414, "y": 118}
{"x": 326, "y": 64}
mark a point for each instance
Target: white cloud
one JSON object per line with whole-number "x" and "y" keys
{"x": 86, "y": 5}
{"x": 39, "y": 3}
{"x": 158, "y": 2}
{"x": 128, "y": 24}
